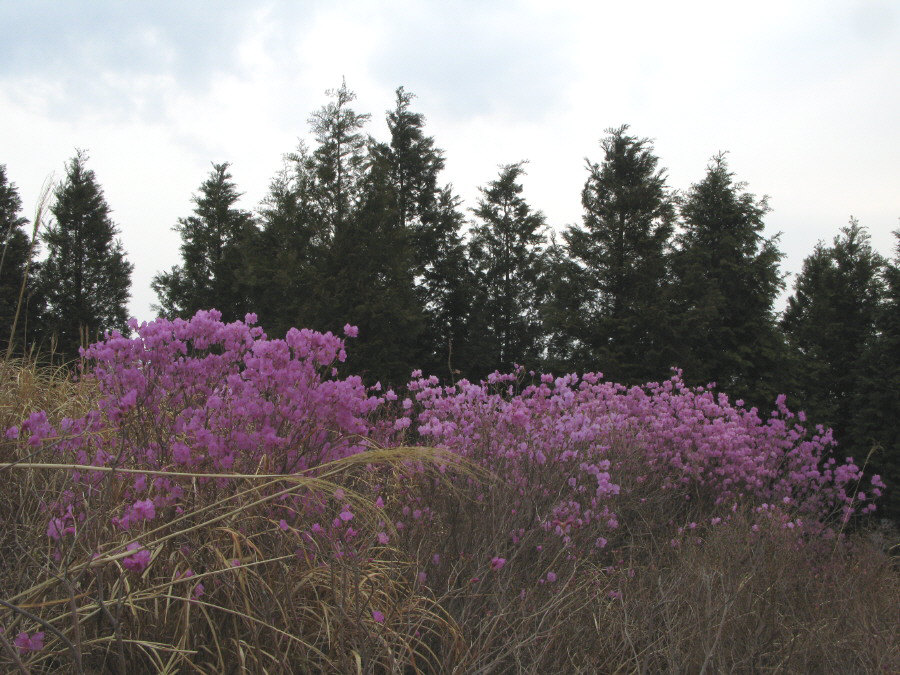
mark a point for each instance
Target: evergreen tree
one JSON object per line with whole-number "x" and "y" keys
{"x": 15, "y": 253}
{"x": 829, "y": 322}
{"x": 507, "y": 257}
{"x": 621, "y": 254}
{"x": 283, "y": 266}
{"x": 339, "y": 159}
{"x": 563, "y": 315}
{"x": 85, "y": 278}
{"x": 214, "y": 250}
{"x": 371, "y": 286}
{"x": 876, "y": 422}
{"x": 445, "y": 289}
{"x": 726, "y": 280}
{"x": 427, "y": 234}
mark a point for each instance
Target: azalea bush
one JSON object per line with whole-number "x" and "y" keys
{"x": 276, "y": 506}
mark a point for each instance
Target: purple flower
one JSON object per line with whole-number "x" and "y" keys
{"x": 351, "y": 331}
{"x": 29, "y": 643}
{"x": 144, "y": 509}
{"x": 551, "y": 577}
{"x": 497, "y": 563}
{"x": 377, "y": 616}
{"x": 139, "y": 561}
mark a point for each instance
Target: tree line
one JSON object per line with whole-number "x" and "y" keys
{"x": 361, "y": 231}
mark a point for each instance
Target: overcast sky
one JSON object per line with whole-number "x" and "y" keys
{"x": 803, "y": 94}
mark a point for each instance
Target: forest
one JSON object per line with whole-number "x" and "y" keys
{"x": 361, "y": 231}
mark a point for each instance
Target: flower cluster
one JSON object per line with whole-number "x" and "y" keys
{"x": 205, "y": 397}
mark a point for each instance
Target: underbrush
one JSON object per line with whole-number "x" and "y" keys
{"x": 204, "y": 499}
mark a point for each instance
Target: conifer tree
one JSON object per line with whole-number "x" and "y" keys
{"x": 507, "y": 257}
{"x": 620, "y": 251}
{"x": 726, "y": 280}
{"x": 339, "y": 158}
{"x": 371, "y": 286}
{"x": 427, "y": 236}
{"x": 445, "y": 289}
{"x": 85, "y": 278}
{"x": 830, "y": 321}
{"x": 283, "y": 266}
{"x": 15, "y": 252}
{"x": 876, "y": 419}
{"x": 215, "y": 243}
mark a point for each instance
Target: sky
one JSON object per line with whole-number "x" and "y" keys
{"x": 803, "y": 95}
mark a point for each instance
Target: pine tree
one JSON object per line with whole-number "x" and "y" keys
{"x": 445, "y": 289}
{"x": 621, "y": 254}
{"x": 829, "y": 322}
{"x": 726, "y": 280}
{"x": 427, "y": 235}
{"x": 86, "y": 278}
{"x": 371, "y": 286}
{"x": 507, "y": 258}
{"x": 876, "y": 419}
{"x": 283, "y": 271}
{"x": 216, "y": 241}
{"x": 15, "y": 253}
{"x": 339, "y": 159}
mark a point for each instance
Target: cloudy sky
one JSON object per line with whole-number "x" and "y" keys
{"x": 803, "y": 94}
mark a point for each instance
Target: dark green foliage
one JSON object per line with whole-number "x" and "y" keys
{"x": 430, "y": 222}
{"x": 617, "y": 284}
{"x": 370, "y": 285}
{"x": 283, "y": 259}
{"x": 15, "y": 252}
{"x": 725, "y": 281}
{"x": 339, "y": 159}
{"x": 876, "y": 419}
{"x": 508, "y": 261}
{"x": 86, "y": 278}
{"x": 215, "y": 244}
{"x": 830, "y": 322}
{"x": 445, "y": 290}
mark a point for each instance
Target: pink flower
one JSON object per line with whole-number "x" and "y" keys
{"x": 143, "y": 509}
{"x": 351, "y": 331}
{"x": 346, "y": 515}
{"x": 139, "y": 561}
{"x": 58, "y": 528}
{"x": 497, "y": 563}
{"x": 377, "y": 616}
{"x": 421, "y": 577}
{"x": 551, "y": 577}
{"x": 32, "y": 643}
{"x": 383, "y": 538}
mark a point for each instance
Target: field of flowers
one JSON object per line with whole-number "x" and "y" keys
{"x": 203, "y": 498}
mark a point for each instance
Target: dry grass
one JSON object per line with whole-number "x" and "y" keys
{"x": 770, "y": 601}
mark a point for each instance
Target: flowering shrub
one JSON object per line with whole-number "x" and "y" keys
{"x": 205, "y": 397}
{"x": 561, "y": 476}
{"x": 201, "y": 396}
{"x": 694, "y": 438}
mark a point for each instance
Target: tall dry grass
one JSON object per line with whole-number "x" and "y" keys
{"x": 724, "y": 599}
